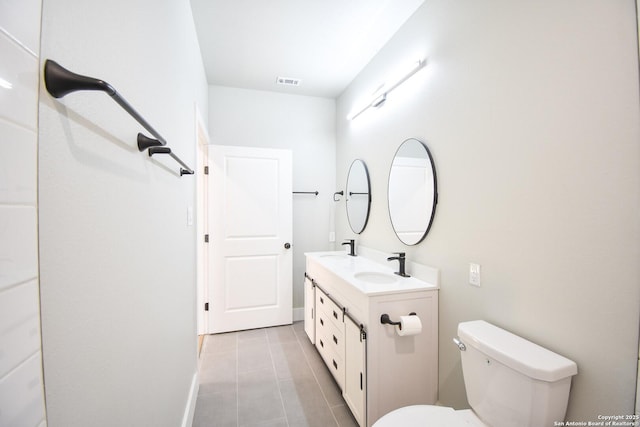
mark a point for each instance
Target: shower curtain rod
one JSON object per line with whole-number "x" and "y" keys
{"x": 60, "y": 82}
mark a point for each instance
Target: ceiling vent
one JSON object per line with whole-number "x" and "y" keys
{"x": 288, "y": 81}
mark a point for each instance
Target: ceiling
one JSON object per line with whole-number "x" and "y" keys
{"x": 325, "y": 43}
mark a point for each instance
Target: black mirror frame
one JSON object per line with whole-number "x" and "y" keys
{"x": 435, "y": 191}
{"x": 366, "y": 220}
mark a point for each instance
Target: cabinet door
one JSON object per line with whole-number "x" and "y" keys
{"x": 355, "y": 367}
{"x": 309, "y": 310}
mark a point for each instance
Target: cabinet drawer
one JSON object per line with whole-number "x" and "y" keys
{"x": 336, "y": 367}
{"x": 334, "y": 361}
{"x": 333, "y": 337}
{"x": 333, "y": 312}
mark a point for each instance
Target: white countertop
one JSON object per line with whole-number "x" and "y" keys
{"x": 381, "y": 280}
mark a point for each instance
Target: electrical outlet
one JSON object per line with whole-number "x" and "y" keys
{"x": 474, "y": 274}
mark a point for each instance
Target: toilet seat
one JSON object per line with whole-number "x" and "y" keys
{"x": 429, "y": 415}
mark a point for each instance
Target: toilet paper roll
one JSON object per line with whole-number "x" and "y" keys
{"x": 409, "y": 325}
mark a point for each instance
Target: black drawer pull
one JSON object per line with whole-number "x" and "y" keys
{"x": 321, "y": 344}
{"x": 321, "y": 300}
{"x": 335, "y": 314}
{"x": 335, "y": 340}
{"x": 335, "y": 365}
{"x": 360, "y": 380}
{"x": 321, "y": 321}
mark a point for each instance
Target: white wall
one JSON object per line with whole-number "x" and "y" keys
{"x": 531, "y": 112}
{"x": 303, "y": 124}
{"x": 21, "y": 386}
{"x": 117, "y": 258}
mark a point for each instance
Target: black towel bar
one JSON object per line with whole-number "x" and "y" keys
{"x": 60, "y": 82}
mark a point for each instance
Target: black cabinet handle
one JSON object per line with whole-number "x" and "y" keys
{"x": 321, "y": 344}
{"x": 335, "y": 365}
{"x": 335, "y": 340}
{"x": 321, "y": 321}
{"x": 335, "y": 314}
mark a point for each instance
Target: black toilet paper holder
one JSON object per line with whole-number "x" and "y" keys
{"x": 386, "y": 320}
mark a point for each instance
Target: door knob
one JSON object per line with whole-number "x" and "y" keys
{"x": 287, "y": 245}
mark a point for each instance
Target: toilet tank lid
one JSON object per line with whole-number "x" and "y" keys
{"x": 516, "y": 352}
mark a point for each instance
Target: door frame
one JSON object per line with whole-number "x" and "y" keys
{"x": 202, "y": 227}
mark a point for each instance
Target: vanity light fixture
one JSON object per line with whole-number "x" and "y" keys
{"x": 380, "y": 95}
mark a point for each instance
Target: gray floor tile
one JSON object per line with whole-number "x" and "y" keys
{"x": 218, "y": 343}
{"x": 282, "y": 422}
{"x": 219, "y": 374}
{"x": 344, "y": 416}
{"x": 289, "y": 361}
{"x": 281, "y": 334}
{"x": 298, "y": 328}
{"x": 254, "y": 355}
{"x": 272, "y": 377}
{"x": 258, "y": 397}
{"x": 216, "y": 410}
{"x": 217, "y": 367}
{"x": 329, "y": 387}
{"x": 303, "y": 403}
{"x": 252, "y": 334}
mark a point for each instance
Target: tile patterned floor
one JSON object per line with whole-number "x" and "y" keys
{"x": 267, "y": 377}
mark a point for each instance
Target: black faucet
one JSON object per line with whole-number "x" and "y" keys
{"x": 352, "y": 246}
{"x": 401, "y": 259}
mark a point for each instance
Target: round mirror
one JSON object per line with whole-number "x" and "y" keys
{"x": 358, "y": 196}
{"x": 412, "y": 192}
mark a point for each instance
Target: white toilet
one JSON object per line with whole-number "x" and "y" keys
{"x": 509, "y": 381}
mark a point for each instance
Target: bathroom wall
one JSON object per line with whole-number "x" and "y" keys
{"x": 306, "y": 126}
{"x": 21, "y": 386}
{"x": 117, "y": 257}
{"x": 531, "y": 112}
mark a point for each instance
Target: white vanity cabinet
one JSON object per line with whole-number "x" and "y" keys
{"x": 376, "y": 369}
{"x": 355, "y": 369}
{"x": 309, "y": 309}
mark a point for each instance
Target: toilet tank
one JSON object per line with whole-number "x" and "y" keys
{"x": 511, "y": 381}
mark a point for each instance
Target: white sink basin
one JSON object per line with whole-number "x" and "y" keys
{"x": 376, "y": 277}
{"x": 366, "y": 275}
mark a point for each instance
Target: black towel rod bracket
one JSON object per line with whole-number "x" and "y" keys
{"x": 166, "y": 150}
{"x": 386, "y": 320}
{"x": 60, "y": 82}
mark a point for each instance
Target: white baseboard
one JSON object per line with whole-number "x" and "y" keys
{"x": 298, "y": 314}
{"x": 190, "y": 409}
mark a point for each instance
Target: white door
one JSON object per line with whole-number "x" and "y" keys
{"x": 250, "y": 240}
